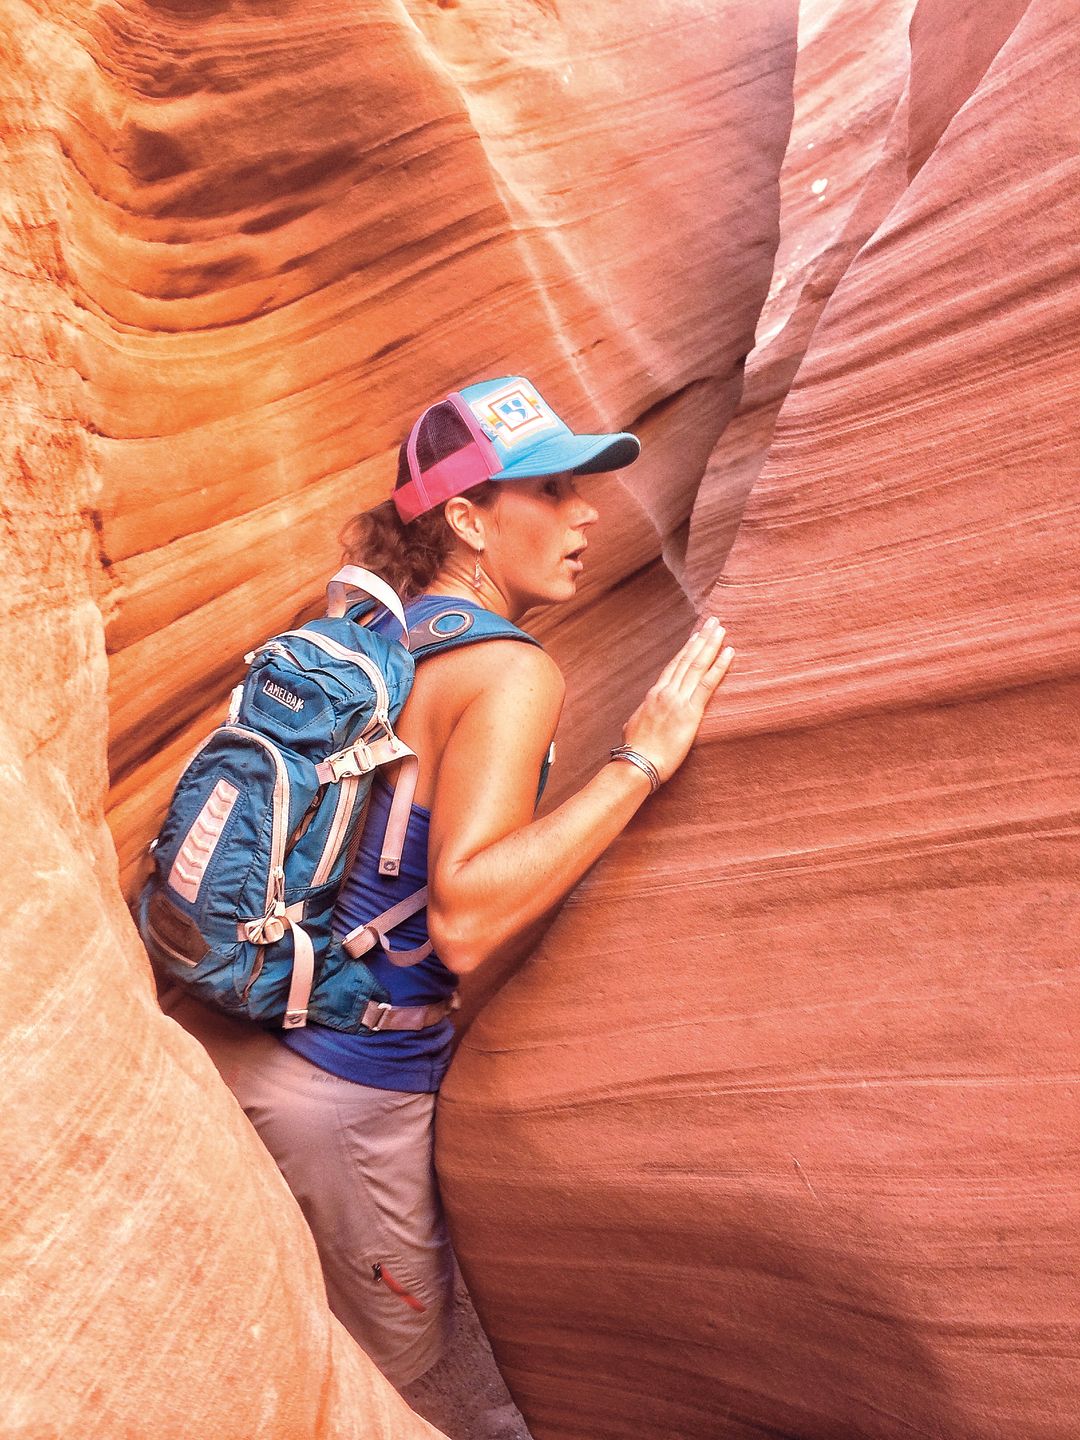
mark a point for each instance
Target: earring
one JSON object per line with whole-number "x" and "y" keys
{"x": 477, "y": 577}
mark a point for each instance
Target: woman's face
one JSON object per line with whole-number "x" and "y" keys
{"x": 534, "y": 540}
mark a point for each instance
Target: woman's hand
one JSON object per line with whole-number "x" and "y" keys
{"x": 663, "y": 726}
{"x": 493, "y": 870}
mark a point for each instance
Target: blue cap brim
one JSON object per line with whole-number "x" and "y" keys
{"x": 578, "y": 454}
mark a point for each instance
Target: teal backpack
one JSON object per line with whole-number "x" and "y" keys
{"x": 265, "y": 816}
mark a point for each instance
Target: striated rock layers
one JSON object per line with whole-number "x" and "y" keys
{"x": 845, "y": 166}
{"x": 242, "y": 245}
{"x": 158, "y": 1280}
{"x": 313, "y": 220}
{"x": 775, "y": 1134}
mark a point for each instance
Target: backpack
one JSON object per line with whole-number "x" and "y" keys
{"x": 266, "y": 815}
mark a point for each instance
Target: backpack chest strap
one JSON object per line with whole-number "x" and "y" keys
{"x": 361, "y": 757}
{"x": 380, "y": 1016}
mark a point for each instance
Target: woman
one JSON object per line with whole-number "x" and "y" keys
{"x": 486, "y": 516}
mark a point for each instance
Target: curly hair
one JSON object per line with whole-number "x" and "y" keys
{"x": 407, "y": 556}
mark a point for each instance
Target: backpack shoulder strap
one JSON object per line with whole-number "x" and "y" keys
{"x": 351, "y": 581}
{"x": 455, "y": 626}
{"x": 458, "y": 625}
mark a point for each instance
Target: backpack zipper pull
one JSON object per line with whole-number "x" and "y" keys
{"x": 267, "y": 929}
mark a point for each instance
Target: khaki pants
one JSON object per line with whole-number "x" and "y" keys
{"x": 359, "y": 1161}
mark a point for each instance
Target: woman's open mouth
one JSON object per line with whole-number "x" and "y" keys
{"x": 574, "y": 560}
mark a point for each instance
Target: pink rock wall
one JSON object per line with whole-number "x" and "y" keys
{"x": 774, "y": 1133}
{"x": 846, "y": 165}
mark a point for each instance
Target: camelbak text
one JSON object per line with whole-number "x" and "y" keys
{"x": 285, "y": 697}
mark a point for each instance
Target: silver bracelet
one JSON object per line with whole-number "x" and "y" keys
{"x": 643, "y": 763}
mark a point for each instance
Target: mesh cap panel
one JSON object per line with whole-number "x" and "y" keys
{"x": 442, "y": 432}
{"x": 403, "y": 476}
{"x": 498, "y": 429}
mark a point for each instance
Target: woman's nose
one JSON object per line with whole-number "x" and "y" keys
{"x": 586, "y": 514}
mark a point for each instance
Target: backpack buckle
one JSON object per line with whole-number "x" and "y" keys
{"x": 384, "y": 1008}
{"x": 356, "y": 760}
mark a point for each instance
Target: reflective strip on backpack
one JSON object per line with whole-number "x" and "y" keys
{"x": 190, "y": 863}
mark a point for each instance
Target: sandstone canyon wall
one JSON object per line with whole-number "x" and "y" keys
{"x": 157, "y": 1277}
{"x": 327, "y": 218}
{"x": 242, "y": 244}
{"x": 775, "y": 1133}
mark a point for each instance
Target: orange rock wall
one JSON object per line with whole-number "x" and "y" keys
{"x": 311, "y": 221}
{"x": 158, "y": 1278}
{"x": 242, "y": 245}
{"x": 774, "y": 1135}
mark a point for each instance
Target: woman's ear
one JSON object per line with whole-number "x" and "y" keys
{"x": 466, "y": 520}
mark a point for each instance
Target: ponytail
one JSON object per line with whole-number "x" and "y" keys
{"x": 408, "y": 556}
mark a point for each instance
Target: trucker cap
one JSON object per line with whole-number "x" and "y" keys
{"x": 496, "y": 430}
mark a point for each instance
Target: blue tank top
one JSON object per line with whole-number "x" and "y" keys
{"x": 411, "y": 1060}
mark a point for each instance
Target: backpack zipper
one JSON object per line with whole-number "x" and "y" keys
{"x": 343, "y": 812}
{"x": 275, "y": 878}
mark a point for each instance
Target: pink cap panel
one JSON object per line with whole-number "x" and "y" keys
{"x": 458, "y": 472}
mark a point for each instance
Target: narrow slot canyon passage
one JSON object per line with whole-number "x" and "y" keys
{"x": 772, "y": 1132}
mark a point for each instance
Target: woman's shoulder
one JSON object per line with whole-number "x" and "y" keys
{"x": 499, "y": 688}
{"x": 465, "y": 639}
{"x": 503, "y": 667}
{"x": 519, "y": 663}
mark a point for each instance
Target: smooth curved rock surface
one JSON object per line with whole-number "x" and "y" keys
{"x": 774, "y": 1135}
{"x": 845, "y": 167}
{"x": 242, "y": 245}
{"x": 865, "y": 121}
{"x": 314, "y": 221}
{"x": 158, "y": 1278}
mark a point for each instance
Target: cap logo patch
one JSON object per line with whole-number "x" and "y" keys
{"x": 514, "y": 413}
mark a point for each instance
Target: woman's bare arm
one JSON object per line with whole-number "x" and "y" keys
{"x": 494, "y": 870}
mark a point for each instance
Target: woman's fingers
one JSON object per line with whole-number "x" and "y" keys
{"x": 665, "y": 676}
{"x": 676, "y": 667}
{"x": 698, "y": 659}
{"x": 696, "y": 655}
{"x": 665, "y": 723}
{"x": 717, "y": 670}
{"x": 703, "y": 677}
